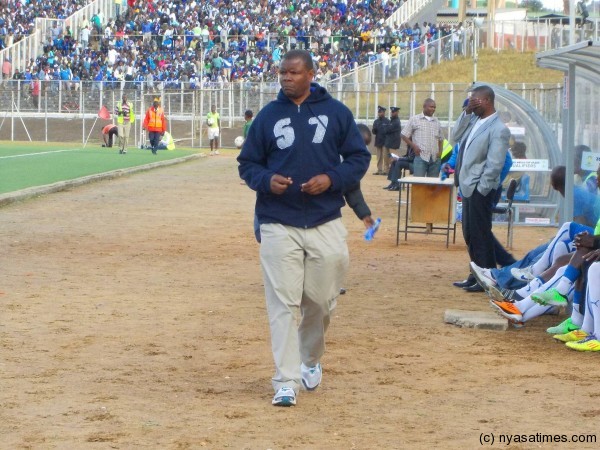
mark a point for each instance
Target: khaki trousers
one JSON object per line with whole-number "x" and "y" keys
{"x": 303, "y": 270}
{"x": 383, "y": 160}
{"x": 124, "y": 130}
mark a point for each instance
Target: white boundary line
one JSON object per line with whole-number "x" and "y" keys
{"x": 39, "y": 153}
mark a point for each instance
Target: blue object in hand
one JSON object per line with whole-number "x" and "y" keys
{"x": 444, "y": 171}
{"x": 370, "y": 233}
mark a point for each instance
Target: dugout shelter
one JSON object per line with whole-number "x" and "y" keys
{"x": 580, "y": 64}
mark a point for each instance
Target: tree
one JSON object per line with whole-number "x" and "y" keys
{"x": 532, "y": 5}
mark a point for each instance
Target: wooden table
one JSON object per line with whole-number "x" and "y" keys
{"x": 430, "y": 201}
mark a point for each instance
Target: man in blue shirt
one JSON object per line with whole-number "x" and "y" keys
{"x": 302, "y": 153}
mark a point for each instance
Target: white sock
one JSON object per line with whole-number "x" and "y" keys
{"x": 577, "y": 318}
{"x": 525, "y": 304}
{"x": 530, "y": 287}
{"x": 535, "y": 311}
{"x": 592, "y": 301}
{"x": 564, "y": 285}
{"x": 560, "y": 245}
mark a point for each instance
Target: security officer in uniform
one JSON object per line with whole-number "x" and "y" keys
{"x": 392, "y": 132}
{"x": 379, "y": 126}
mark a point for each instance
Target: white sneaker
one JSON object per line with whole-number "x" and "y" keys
{"x": 524, "y": 274}
{"x": 285, "y": 396}
{"x": 212, "y": 153}
{"x": 483, "y": 276}
{"x": 311, "y": 376}
{"x": 216, "y": 152}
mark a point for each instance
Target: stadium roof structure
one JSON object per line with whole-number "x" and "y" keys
{"x": 551, "y": 17}
{"x": 580, "y": 60}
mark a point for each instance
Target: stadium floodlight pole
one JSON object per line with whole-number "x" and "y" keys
{"x": 477, "y": 24}
{"x": 475, "y": 55}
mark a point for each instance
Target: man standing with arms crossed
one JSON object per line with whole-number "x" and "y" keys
{"x": 423, "y": 133}
{"x": 302, "y": 153}
{"x": 125, "y": 117}
{"x": 482, "y": 151}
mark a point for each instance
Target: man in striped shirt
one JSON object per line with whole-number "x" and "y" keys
{"x": 424, "y": 134}
{"x": 125, "y": 117}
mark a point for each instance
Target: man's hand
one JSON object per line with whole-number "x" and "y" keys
{"x": 472, "y": 105}
{"x": 279, "y": 184}
{"x": 316, "y": 185}
{"x": 368, "y": 221}
{"x": 584, "y": 239}
{"x": 592, "y": 256}
{"x": 416, "y": 149}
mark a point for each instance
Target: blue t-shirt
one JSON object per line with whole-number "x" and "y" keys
{"x": 586, "y": 205}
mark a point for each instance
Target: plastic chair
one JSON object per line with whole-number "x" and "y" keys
{"x": 508, "y": 210}
{"x": 522, "y": 191}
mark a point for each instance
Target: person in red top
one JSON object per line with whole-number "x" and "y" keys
{"x": 108, "y": 133}
{"x": 35, "y": 91}
{"x": 156, "y": 124}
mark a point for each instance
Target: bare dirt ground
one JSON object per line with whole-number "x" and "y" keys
{"x": 132, "y": 316}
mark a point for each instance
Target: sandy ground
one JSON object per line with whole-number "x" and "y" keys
{"x": 132, "y": 316}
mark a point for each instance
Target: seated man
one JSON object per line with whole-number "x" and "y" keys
{"x": 166, "y": 143}
{"x": 586, "y": 211}
{"x": 565, "y": 285}
{"x": 590, "y": 328}
{"x": 561, "y": 244}
{"x": 541, "y": 259}
{"x": 396, "y": 165}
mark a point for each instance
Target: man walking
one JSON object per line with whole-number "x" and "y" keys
{"x": 155, "y": 123}
{"x": 125, "y": 117}
{"x": 484, "y": 142}
{"x": 423, "y": 134}
{"x": 379, "y": 126}
{"x": 302, "y": 153}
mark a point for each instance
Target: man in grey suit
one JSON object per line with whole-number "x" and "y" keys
{"x": 483, "y": 146}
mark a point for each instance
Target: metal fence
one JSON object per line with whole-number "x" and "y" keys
{"x": 63, "y": 100}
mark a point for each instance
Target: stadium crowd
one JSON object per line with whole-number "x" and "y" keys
{"x": 170, "y": 44}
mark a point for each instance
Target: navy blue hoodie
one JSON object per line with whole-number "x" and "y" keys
{"x": 301, "y": 141}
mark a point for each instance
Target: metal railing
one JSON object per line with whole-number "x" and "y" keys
{"x": 65, "y": 100}
{"x": 406, "y": 12}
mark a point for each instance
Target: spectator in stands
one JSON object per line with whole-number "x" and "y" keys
{"x": 229, "y": 34}
{"x": 35, "y": 91}
{"x": 6, "y": 70}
